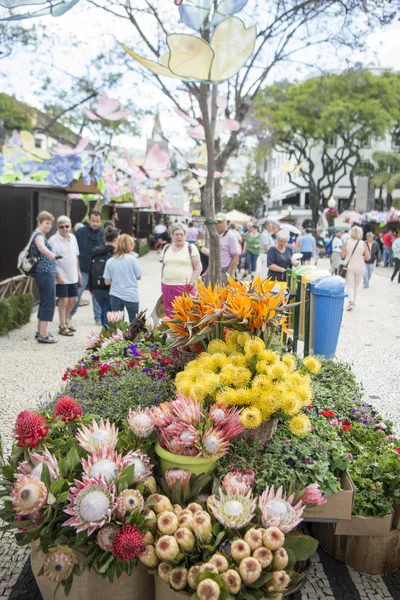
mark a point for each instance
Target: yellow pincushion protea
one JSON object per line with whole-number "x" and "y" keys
{"x": 227, "y": 396}
{"x": 228, "y": 375}
{"x": 251, "y": 418}
{"x": 278, "y": 371}
{"x": 290, "y": 361}
{"x": 261, "y": 382}
{"x": 300, "y": 425}
{"x": 243, "y": 377}
{"x": 269, "y": 356}
{"x": 254, "y": 347}
{"x": 242, "y": 338}
{"x": 216, "y": 346}
{"x": 237, "y": 360}
{"x": 218, "y": 361}
{"x": 291, "y": 405}
{"x": 267, "y": 404}
{"x": 209, "y": 383}
{"x": 312, "y": 364}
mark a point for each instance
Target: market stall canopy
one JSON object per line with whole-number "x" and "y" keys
{"x": 237, "y": 217}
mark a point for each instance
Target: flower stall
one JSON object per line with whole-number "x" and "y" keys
{"x": 151, "y": 473}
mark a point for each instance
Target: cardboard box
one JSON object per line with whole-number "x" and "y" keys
{"x": 365, "y": 526}
{"x": 338, "y": 506}
{"x": 396, "y": 517}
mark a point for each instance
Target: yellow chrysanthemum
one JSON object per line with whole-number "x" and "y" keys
{"x": 290, "y": 361}
{"x": 238, "y": 360}
{"x": 263, "y": 366}
{"x": 227, "y": 396}
{"x": 209, "y": 383}
{"x": 261, "y": 382}
{"x": 291, "y": 405}
{"x": 312, "y": 364}
{"x": 269, "y": 356}
{"x": 300, "y": 425}
{"x": 218, "y": 361}
{"x": 254, "y": 347}
{"x": 242, "y": 338}
{"x": 304, "y": 393}
{"x": 228, "y": 375}
{"x": 244, "y": 396}
{"x": 267, "y": 403}
{"x": 216, "y": 346}
{"x": 242, "y": 377}
{"x": 250, "y": 418}
{"x": 278, "y": 371}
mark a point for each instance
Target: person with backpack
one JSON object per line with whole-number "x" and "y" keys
{"x": 181, "y": 268}
{"x": 97, "y": 285}
{"x": 122, "y": 274}
{"x": 44, "y": 275}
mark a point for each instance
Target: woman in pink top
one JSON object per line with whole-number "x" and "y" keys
{"x": 356, "y": 252}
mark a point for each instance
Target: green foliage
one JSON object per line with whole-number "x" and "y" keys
{"x": 387, "y": 171}
{"x": 14, "y": 114}
{"x": 15, "y": 311}
{"x": 251, "y": 195}
{"x": 143, "y": 247}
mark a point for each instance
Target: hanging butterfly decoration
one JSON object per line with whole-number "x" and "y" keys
{"x": 221, "y": 125}
{"x": 107, "y": 110}
{"x": 45, "y": 7}
{"x": 62, "y": 150}
{"x": 155, "y": 165}
{"x": 178, "y": 2}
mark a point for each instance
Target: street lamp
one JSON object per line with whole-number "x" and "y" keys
{"x": 331, "y": 203}
{"x": 290, "y": 209}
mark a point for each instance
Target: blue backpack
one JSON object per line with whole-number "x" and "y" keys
{"x": 328, "y": 246}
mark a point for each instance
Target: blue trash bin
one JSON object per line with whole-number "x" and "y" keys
{"x": 329, "y": 298}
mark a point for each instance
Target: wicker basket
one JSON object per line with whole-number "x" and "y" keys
{"x": 263, "y": 433}
{"x": 301, "y": 571}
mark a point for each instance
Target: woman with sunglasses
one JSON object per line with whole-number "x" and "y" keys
{"x": 68, "y": 274}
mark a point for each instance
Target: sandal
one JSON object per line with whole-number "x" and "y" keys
{"x": 65, "y": 331}
{"x": 37, "y": 334}
{"x": 49, "y": 339}
{"x": 84, "y": 303}
{"x": 71, "y": 328}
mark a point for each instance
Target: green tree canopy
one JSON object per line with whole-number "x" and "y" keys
{"x": 324, "y": 123}
{"x": 250, "y": 197}
{"x": 14, "y": 115}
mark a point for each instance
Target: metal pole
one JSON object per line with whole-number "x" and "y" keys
{"x": 296, "y": 315}
{"x": 307, "y": 321}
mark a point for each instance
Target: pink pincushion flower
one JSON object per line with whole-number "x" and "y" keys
{"x": 173, "y": 475}
{"x": 313, "y": 495}
{"x": 91, "y": 504}
{"x": 238, "y": 481}
{"x": 67, "y": 408}
{"x": 30, "y": 428}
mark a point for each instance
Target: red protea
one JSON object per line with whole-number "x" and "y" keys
{"x": 67, "y": 408}
{"x": 128, "y": 543}
{"x": 30, "y": 428}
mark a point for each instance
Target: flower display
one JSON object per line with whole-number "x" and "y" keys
{"x": 240, "y": 372}
{"x": 28, "y": 495}
{"x": 183, "y": 428}
{"x": 115, "y": 316}
{"x": 313, "y": 495}
{"x": 30, "y": 428}
{"x": 67, "y": 408}
{"x": 312, "y": 364}
{"x": 91, "y": 503}
{"x": 140, "y": 422}
{"x": 278, "y": 511}
{"x": 59, "y": 563}
{"x": 97, "y": 436}
{"x": 128, "y": 543}
{"x": 233, "y": 509}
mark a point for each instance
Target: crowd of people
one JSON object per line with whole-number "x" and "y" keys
{"x": 102, "y": 260}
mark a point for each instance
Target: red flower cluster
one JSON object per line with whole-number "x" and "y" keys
{"x": 67, "y": 408}
{"x": 106, "y": 370}
{"x": 346, "y": 425}
{"x": 327, "y": 413}
{"x": 128, "y": 543}
{"x": 77, "y": 372}
{"x": 30, "y": 428}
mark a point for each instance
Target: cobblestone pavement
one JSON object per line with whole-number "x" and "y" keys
{"x": 368, "y": 339}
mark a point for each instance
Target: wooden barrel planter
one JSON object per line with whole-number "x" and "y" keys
{"x": 263, "y": 433}
{"x": 373, "y": 555}
{"x": 90, "y": 584}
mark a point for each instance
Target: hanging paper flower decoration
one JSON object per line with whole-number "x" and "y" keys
{"x": 55, "y": 9}
{"x": 154, "y": 166}
{"x": 221, "y": 125}
{"x": 107, "y": 110}
{"x": 191, "y": 58}
{"x": 196, "y": 13}
{"x": 62, "y": 150}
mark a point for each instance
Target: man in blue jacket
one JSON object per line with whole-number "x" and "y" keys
{"x": 89, "y": 236}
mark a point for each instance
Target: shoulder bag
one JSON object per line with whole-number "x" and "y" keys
{"x": 343, "y": 268}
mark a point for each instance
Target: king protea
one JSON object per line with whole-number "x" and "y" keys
{"x": 97, "y": 436}
{"x": 233, "y": 510}
{"x": 91, "y": 503}
{"x": 278, "y": 510}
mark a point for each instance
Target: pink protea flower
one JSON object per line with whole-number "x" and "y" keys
{"x": 185, "y": 434}
{"x": 24, "y": 468}
{"x": 29, "y": 494}
{"x": 67, "y": 408}
{"x": 106, "y": 537}
{"x": 129, "y": 500}
{"x": 238, "y": 480}
{"x": 128, "y": 543}
{"x": 181, "y": 475}
{"x": 93, "y": 340}
{"x": 161, "y": 415}
{"x": 140, "y": 422}
{"x": 97, "y": 436}
{"x": 105, "y": 462}
{"x": 30, "y": 428}
{"x": 115, "y": 316}
{"x": 117, "y": 336}
{"x": 91, "y": 503}
{"x": 143, "y": 468}
{"x": 233, "y": 510}
{"x": 233, "y": 428}
{"x": 313, "y": 495}
{"x": 221, "y": 414}
{"x": 171, "y": 444}
{"x": 214, "y": 443}
{"x": 186, "y": 410}
{"x": 278, "y": 511}
{"x": 59, "y": 563}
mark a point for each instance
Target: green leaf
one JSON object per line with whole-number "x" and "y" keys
{"x": 303, "y": 546}
{"x": 45, "y": 475}
{"x": 105, "y": 566}
{"x": 101, "y": 186}
{"x": 73, "y": 458}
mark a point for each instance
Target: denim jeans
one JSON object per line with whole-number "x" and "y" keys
{"x": 387, "y": 256}
{"x": 96, "y": 307}
{"x": 131, "y": 307}
{"x": 367, "y": 274}
{"x": 102, "y": 298}
{"x": 251, "y": 262}
{"x": 46, "y": 284}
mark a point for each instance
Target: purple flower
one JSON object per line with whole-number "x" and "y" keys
{"x": 355, "y": 411}
{"x": 74, "y": 161}
{"x": 307, "y": 461}
{"x": 60, "y": 174}
{"x": 349, "y": 456}
{"x": 290, "y": 462}
{"x": 97, "y": 169}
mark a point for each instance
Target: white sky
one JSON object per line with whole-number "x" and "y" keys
{"x": 97, "y": 30}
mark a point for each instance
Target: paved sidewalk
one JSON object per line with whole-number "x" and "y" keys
{"x": 369, "y": 339}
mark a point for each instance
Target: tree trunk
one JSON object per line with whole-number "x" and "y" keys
{"x": 218, "y": 195}
{"x": 214, "y": 268}
{"x": 314, "y": 205}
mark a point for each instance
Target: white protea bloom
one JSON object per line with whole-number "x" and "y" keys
{"x": 105, "y": 462}
{"x": 233, "y": 510}
{"x": 92, "y": 341}
{"x": 29, "y": 494}
{"x": 91, "y": 503}
{"x": 97, "y": 436}
{"x": 59, "y": 563}
{"x": 24, "y": 468}
{"x": 115, "y": 316}
{"x": 278, "y": 511}
{"x": 142, "y": 464}
{"x": 140, "y": 422}
{"x": 106, "y": 536}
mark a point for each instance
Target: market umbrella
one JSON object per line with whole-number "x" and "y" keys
{"x": 290, "y": 227}
{"x": 236, "y": 216}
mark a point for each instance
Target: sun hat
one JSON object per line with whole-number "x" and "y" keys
{"x": 220, "y": 217}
